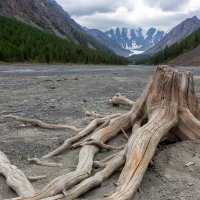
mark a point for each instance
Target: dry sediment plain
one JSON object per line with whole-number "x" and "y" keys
{"x": 62, "y": 94}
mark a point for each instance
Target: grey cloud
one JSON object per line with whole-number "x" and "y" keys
{"x": 167, "y": 5}
{"x": 106, "y": 14}
{"x": 89, "y": 7}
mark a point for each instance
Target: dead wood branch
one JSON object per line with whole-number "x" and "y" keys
{"x": 119, "y": 99}
{"x": 40, "y": 123}
{"x": 36, "y": 178}
{"x": 44, "y": 163}
{"x": 15, "y": 178}
{"x": 86, "y": 131}
{"x": 93, "y": 114}
{"x": 125, "y": 135}
{"x": 101, "y": 145}
{"x": 167, "y": 108}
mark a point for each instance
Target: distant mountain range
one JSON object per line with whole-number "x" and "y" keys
{"x": 136, "y": 38}
{"x": 125, "y": 42}
{"x": 179, "y": 32}
{"x": 49, "y": 16}
{"x": 111, "y": 43}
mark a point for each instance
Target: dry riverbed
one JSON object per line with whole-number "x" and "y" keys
{"x": 62, "y": 94}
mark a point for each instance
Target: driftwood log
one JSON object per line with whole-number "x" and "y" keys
{"x": 167, "y": 109}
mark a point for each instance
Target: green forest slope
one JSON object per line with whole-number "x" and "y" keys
{"x": 177, "y": 49}
{"x": 22, "y": 43}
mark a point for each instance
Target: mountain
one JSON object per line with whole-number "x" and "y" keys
{"x": 183, "y": 52}
{"x": 179, "y": 32}
{"x": 135, "y": 40}
{"x": 108, "y": 42}
{"x": 49, "y": 16}
{"x": 20, "y": 42}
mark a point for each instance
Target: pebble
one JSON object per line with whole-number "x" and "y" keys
{"x": 190, "y": 184}
{"x": 22, "y": 125}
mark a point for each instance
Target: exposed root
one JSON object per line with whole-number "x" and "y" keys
{"x": 108, "y": 158}
{"x": 15, "y": 178}
{"x": 99, "y": 164}
{"x": 56, "y": 197}
{"x": 44, "y": 163}
{"x": 167, "y": 109}
{"x": 101, "y": 145}
{"x": 96, "y": 180}
{"x": 86, "y": 157}
{"x": 119, "y": 99}
{"x": 86, "y": 131}
{"x": 93, "y": 114}
{"x": 36, "y": 178}
{"x": 40, "y": 123}
{"x": 125, "y": 135}
{"x": 104, "y": 124}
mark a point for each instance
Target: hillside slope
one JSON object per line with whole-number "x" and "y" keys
{"x": 191, "y": 58}
{"x": 111, "y": 43}
{"x": 178, "y": 49}
{"x": 49, "y": 16}
{"x": 20, "y": 42}
{"x": 179, "y": 32}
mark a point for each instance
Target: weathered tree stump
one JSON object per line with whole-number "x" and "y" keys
{"x": 168, "y": 109}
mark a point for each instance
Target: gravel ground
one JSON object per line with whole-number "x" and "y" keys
{"x": 62, "y": 94}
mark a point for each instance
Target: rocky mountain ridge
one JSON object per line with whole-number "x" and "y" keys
{"x": 179, "y": 32}
{"x": 136, "y": 39}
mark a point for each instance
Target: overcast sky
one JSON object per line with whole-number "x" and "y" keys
{"x": 106, "y": 14}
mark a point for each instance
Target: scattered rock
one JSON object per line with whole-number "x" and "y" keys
{"x": 189, "y": 164}
{"x": 52, "y": 87}
{"x": 190, "y": 184}
{"x": 22, "y": 125}
{"x": 52, "y": 106}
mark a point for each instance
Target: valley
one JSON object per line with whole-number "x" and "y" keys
{"x": 62, "y": 94}
{"x": 99, "y": 100}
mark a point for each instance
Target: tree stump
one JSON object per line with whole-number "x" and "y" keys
{"x": 168, "y": 109}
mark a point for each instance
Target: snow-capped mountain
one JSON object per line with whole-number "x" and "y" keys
{"x": 136, "y": 39}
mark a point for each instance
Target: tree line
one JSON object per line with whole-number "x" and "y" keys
{"x": 175, "y": 50}
{"x": 20, "y": 42}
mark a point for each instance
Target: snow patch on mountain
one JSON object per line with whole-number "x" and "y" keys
{"x": 136, "y": 40}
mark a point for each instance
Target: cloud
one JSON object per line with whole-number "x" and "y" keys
{"x": 89, "y": 7}
{"x": 169, "y": 5}
{"x": 106, "y": 14}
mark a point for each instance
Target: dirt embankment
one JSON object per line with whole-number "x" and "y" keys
{"x": 62, "y": 94}
{"x": 191, "y": 58}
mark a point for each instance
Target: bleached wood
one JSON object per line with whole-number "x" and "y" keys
{"x": 15, "y": 178}
{"x": 36, "y": 178}
{"x": 125, "y": 135}
{"x": 96, "y": 180}
{"x": 93, "y": 114}
{"x": 44, "y": 163}
{"x": 40, "y": 123}
{"x": 167, "y": 109}
{"x": 101, "y": 145}
{"x": 86, "y": 131}
{"x": 119, "y": 99}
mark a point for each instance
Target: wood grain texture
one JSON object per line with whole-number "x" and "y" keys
{"x": 167, "y": 109}
{"x": 15, "y": 178}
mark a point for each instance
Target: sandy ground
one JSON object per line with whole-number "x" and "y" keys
{"x": 62, "y": 94}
